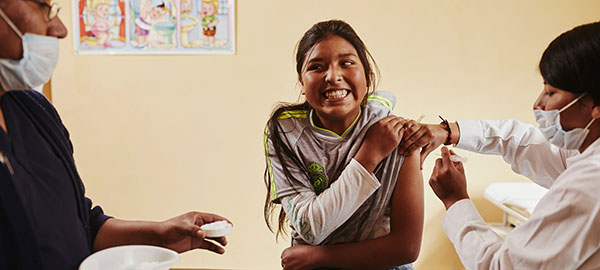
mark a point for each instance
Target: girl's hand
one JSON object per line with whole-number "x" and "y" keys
{"x": 448, "y": 179}
{"x": 299, "y": 257}
{"x": 425, "y": 136}
{"x": 382, "y": 138}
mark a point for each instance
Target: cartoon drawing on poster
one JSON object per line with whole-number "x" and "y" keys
{"x": 101, "y": 24}
{"x": 154, "y": 26}
{"x": 154, "y": 23}
{"x": 207, "y": 24}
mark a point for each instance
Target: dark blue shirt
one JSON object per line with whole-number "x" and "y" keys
{"x": 45, "y": 220}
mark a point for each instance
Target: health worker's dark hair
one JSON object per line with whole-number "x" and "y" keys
{"x": 317, "y": 33}
{"x": 572, "y": 61}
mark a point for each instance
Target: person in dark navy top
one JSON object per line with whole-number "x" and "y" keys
{"x": 46, "y": 222}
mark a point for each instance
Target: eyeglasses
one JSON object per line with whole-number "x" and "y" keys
{"x": 53, "y": 8}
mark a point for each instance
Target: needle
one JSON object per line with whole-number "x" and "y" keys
{"x": 420, "y": 118}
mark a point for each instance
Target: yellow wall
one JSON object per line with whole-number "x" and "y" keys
{"x": 156, "y": 136}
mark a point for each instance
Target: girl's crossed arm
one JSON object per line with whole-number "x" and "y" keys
{"x": 401, "y": 246}
{"x": 316, "y": 216}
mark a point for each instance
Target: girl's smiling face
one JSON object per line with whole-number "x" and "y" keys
{"x": 334, "y": 82}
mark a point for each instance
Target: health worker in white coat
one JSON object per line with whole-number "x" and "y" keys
{"x": 563, "y": 154}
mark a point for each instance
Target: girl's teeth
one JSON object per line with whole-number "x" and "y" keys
{"x": 336, "y": 94}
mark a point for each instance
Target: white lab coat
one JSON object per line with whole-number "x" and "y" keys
{"x": 563, "y": 231}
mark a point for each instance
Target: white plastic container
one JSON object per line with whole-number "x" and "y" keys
{"x": 216, "y": 229}
{"x": 133, "y": 257}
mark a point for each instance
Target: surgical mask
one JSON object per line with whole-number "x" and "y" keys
{"x": 549, "y": 122}
{"x": 40, "y": 54}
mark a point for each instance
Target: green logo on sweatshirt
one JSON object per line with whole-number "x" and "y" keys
{"x": 317, "y": 178}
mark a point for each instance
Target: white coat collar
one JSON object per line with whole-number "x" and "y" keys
{"x": 592, "y": 150}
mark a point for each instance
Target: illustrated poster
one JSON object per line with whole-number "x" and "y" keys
{"x": 154, "y": 26}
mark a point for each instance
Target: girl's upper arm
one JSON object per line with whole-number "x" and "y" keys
{"x": 407, "y": 209}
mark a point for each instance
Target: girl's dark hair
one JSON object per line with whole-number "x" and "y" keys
{"x": 317, "y": 33}
{"x": 572, "y": 61}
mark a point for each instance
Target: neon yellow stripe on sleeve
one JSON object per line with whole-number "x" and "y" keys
{"x": 386, "y": 102}
{"x": 294, "y": 114}
{"x": 269, "y": 167}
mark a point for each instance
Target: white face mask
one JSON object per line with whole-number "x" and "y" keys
{"x": 549, "y": 122}
{"x": 40, "y": 54}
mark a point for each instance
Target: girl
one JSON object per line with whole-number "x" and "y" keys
{"x": 337, "y": 180}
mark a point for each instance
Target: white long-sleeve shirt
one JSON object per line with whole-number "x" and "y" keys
{"x": 563, "y": 231}
{"x": 316, "y": 217}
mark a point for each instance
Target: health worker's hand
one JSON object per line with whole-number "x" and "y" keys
{"x": 382, "y": 138}
{"x": 183, "y": 233}
{"x": 448, "y": 179}
{"x": 299, "y": 257}
{"x": 426, "y": 137}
